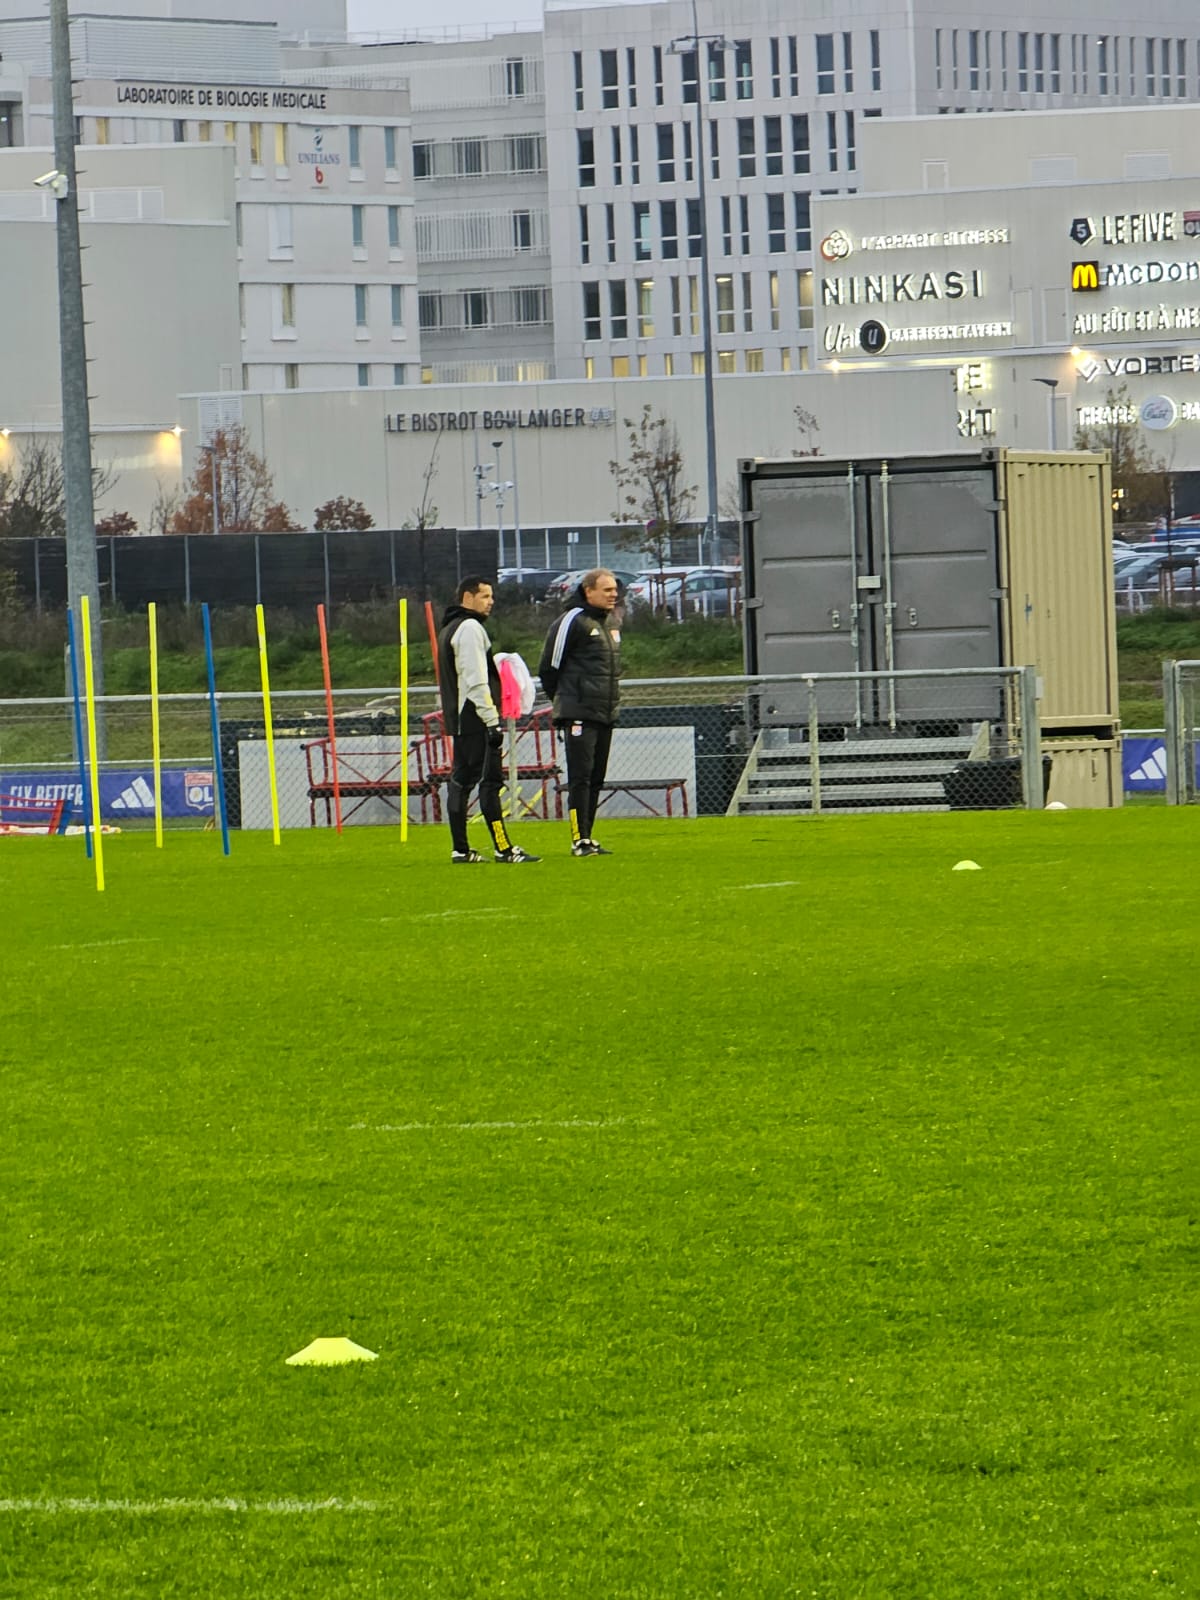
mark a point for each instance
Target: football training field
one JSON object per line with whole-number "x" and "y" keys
{"x": 767, "y": 1210}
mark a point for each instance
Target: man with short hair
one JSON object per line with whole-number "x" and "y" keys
{"x": 581, "y": 670}
{"x": 470, "y": 690}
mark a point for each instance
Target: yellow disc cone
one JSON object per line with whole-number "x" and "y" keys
{"x": 330, "y": 1353}
{"x": 966, "y": 866}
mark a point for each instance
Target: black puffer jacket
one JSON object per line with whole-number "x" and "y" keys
{"x": 581, "y": 664}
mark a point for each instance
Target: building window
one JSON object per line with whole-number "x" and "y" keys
{"x": 631, "y": 76}
{"x": 1150, "y": 86}
{"x": 397, "y": 306}
{"x": 291, "y": 376}
{"x": 694, "y": 305}
{"x": 531, "y": 305}
{"x": 832, "y": 133}
{"x": 256, "y": 144}
{"x": 616, "y": 157}
{"x": 281, "y": 144}
{"x": 876, "y": 72}
{"x": 587, "y": 158}
{"x": 743, "y": 70}
{"x": 848, "y": 62}
{"x": 355, "y": 134}
{"x": 754, "y": 361}
{"x": 726, "y": 225}
{"x": 1056, "y": 63}
{"x": 399, "y": 375}
{"x": 745, "y": 138}
{"x": 776, "y": 75}
{"x": 422, "y": 155}
{"x": 389, "y": 149}
{"x": 238, "y": 225}
{"x": 178, "y": 131}
{"x": 776, "y": 230}
{"x": 697, "y": 363}
{"x": 645, "y": 293}
{"x": 429, "y": 312}
{"x": 618, "y": 309}
{"x": 793, "y": 65}
{"x": 591, "y": 311}
{"x": 804, "y": 297}
{"x": 635, "y": 170}
{"x": 773, "y": 146}
{"x": 689, "y": 170}
{"x": 525, "y": 152}
{"x": 1039, "y": 63}
{"x": 851, "y": 145}
{"x": 669, "y": 229}
{"x": 280, "y": 239}
{"x": 689, "y": 76}
{"x": 802, "y": 203}
{"x": 716, "y": 71}
{"x": 393, "y": 216}
{"x": 801, "y": 154}
{"x": 773, "y": 299}
{"x": 610, "y": 231}
{"x": 101, "y": 130}
{"x": 287, "y": 305}
{"x": 641, "y": 230}
{"x": 785, "y": 359}
{"x": 714, "y": 149}
{"x": 468, "y": 158}
{"x": 608, "y": 79}
{"x": 476, "y": 310}
{"x": 1022, "y": 63}
{"x": 357, "y": 225}
{"x": 693, "y": 227}
{"x": 360, "y": 305}
{"x": 364, "y": 375}
{"x": 585, "y": 248}
{"x": 668, "y": 365}
{"x": 666, "y": 152}
{"x": 744, "y": 216}
{"x": 620, "y": 366}
{"x": 725, "y": 312}
{"x": 726, "y": 360}
{"x": 973, "y": 59}
{"x": 747, "y": 302}
{"x": 676, "y": 312}
{"x": 658, "y": 75}
{"x": 824, "y": 63}
{"x": 577, "y": 57}
{"x": 514, "y": 78}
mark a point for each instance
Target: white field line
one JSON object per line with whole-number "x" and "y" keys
{"x": 784, "y": 883}
{"x": 426, "y": 916}
{"x": 102, "y": 944}
{"x": 481, "y": 1127}
{"x": 55, "y": 1507}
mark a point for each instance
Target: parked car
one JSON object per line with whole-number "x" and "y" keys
{"x": 689, "y": 591}
{"x": 566, "y": 583}
{"x": 530, "y": 584}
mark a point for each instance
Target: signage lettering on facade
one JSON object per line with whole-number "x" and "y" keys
{"x": 1142, "y": 319}
{"x": 225, "y": 98}
{"x": 900, "y": 287}
{"x": 466, "y": 421}
{"x": 1085, "y": 275}
{"x": 1140, "y": 366}
{"x": 950, "y": 238}
{"x": 1157, "y": 412}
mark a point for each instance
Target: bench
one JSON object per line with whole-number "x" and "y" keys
{"x": 636, "y": 788}
{"x": 358, "y": 785}
{"x": 536, "y": 763}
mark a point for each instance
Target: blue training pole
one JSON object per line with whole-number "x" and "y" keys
{"x": 79, "y": 744}
{"x": 218, "y": 769}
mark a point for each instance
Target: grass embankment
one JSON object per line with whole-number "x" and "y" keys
{"x": 363, "y": 652}
{"x": 831, "y": 1238}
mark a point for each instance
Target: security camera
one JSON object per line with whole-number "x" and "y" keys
{"x": 55, "y": 181}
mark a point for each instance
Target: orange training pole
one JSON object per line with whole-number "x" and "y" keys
{"x": 333, "y": 755}
{"x": 429, "y": 623}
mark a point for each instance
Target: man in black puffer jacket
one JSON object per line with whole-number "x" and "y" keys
{"x": 580, "y": 671}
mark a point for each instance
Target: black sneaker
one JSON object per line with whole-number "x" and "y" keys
{"x": 515, "y": 857}
{"x": 597, "y": 849}
{"x": 466, "y": 858}
{"x": 588, "y": 847}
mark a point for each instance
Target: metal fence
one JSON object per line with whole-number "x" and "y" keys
{"x": 684, "y": 747}
{"x": 1181, "y": 722}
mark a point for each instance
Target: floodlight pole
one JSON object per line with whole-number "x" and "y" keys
{"x": 83, "y": 574}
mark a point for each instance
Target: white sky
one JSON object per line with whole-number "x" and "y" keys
{"x": 371, "y": 16}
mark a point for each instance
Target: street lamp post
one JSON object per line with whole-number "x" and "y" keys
{"x": 1051, "y": 385}
{"x": 715, "y": 41}
{"x": 498, "y": 490}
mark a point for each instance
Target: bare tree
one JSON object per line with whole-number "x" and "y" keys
{"x": 245, "y": 490}
{"x": 1139, "y": 481}
{"x": 425, "y": 513}
{"x": 655, "y": 500}
{"x": 33, "y": 500}
{"x": 166, "y": 504}
{"x": 808, "y": 427}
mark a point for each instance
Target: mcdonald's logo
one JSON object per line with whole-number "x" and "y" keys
{"x": 1085, "y": 275}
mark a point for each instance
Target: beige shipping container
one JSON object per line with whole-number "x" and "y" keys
{"x": 1057, "y": 573}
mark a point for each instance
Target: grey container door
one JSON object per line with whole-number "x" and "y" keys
{"x": 933, "y": 546}
{"x": 806, "y": 562}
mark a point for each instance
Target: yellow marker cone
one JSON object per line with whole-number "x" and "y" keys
{"x": 966, "y": 866}
{"x": 330, "y": 1353}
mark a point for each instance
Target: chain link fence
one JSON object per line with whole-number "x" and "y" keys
{"x": 684, "y": 747}
{"x": 1181, "y": 722}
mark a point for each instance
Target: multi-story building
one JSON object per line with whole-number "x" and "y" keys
{"x": 766, "y": 107}
{"x": 327, "y": 278}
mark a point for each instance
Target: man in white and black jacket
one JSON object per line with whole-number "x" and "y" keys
{"x": 581, "y": 672}
{"x": 470, "y": 689}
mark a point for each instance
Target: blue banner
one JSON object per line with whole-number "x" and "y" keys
{"x": 1144, "y": 764}
{"x": 186, "y": 792}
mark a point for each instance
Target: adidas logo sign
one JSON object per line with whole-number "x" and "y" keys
{"x": 1154, "y": 768}
{"x": 138, "y": 797}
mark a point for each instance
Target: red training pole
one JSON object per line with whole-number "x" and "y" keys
{"x": 337, "y": 789}
{"x": 429, "y": 623}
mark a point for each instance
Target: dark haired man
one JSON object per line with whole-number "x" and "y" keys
{"x": 470, "y": 689}
{"x": 581, "y": 671}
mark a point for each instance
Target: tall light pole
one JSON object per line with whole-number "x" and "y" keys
{"x": 83, "y": 576}
{"x": 1051, "y": 385}
{"x": 715, "y": 41}
{"x": 498, "y": 490}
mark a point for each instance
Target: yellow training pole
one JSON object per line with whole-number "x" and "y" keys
{"x": 266, "y": 694}
{"x": 89, "y": 682}
{"x": 403, "y": 721}
{"x": 155, "y": 731}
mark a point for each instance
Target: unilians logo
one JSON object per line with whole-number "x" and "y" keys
{"x": 1085, "y": 275}
{"x": 836, "y": 246}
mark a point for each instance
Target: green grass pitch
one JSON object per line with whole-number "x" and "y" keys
{"x": 764, "y": 1211}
